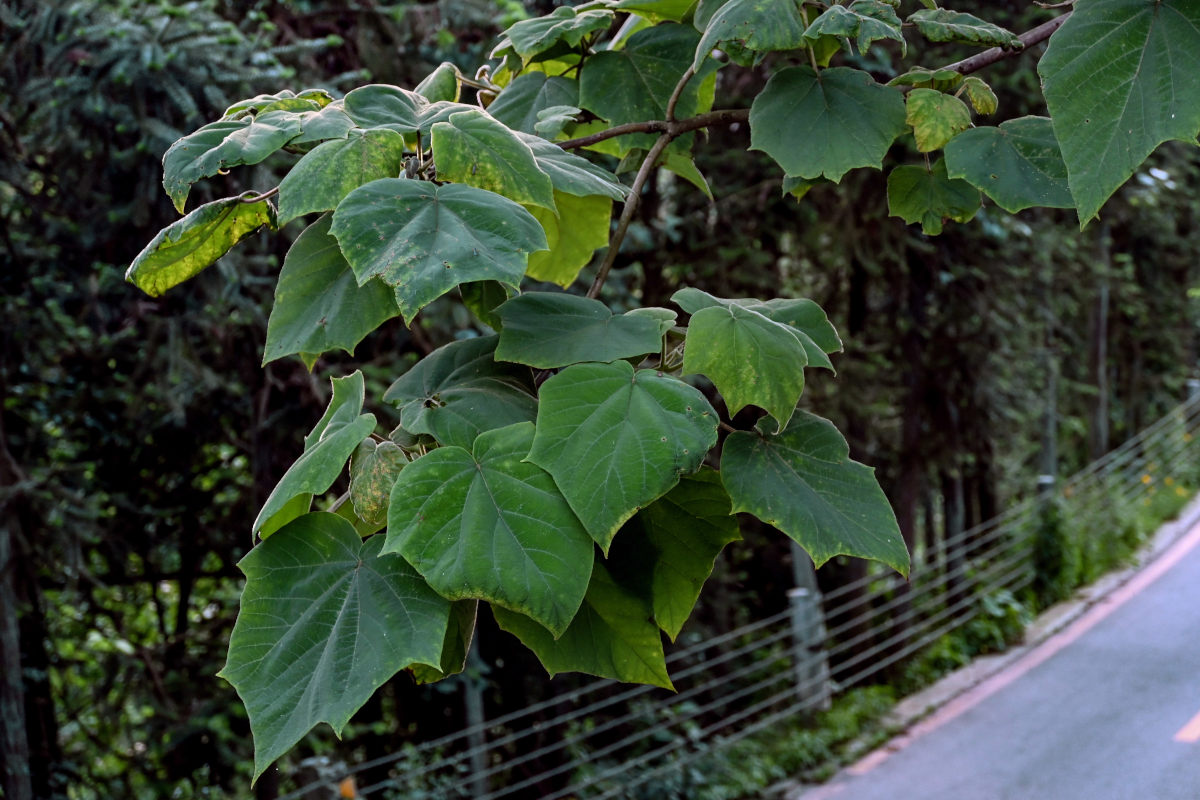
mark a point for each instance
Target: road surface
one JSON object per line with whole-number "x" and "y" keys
{"x": 1109, "y": 709}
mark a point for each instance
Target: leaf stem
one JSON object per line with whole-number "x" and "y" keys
{"x": 631, "y": 204}
{"x": 250, "y": 197}
{"x": 678, "y": 92}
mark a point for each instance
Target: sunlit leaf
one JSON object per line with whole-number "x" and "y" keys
{"x": 580, "y": 228}
{"x": 475, "y": 149}
{"x": 936, "y": 118}
{"x": 325, "y": 175}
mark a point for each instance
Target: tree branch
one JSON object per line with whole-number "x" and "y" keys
{"x": 988, "y": 57}
{"x": 726, "y": 116}
{"x": 631, "y": 204}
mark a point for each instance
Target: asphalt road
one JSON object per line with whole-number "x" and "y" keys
{"x": 1108, "y": 709}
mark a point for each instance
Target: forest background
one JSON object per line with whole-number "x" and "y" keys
{"x": 138, "y": 437}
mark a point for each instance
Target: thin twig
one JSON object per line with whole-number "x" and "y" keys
{"x": 675, "y": 95}
{"x": 631, "y": 204}
{"x": 725, "y": 426}
{"x": 677, "y": 128}
{"x": 988, "y": 57}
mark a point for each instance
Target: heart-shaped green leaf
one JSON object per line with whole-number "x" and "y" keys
{"x": 326, "y": 450}
{"x": 325, "y": 620}
{"x": 667, "y": 551}
{"x": 936, "y": 118}
{"x": 825, "y": 124}
{"x": 635, "y": 83}
{"x": 530, "y": 37}
{"x": 185, "y": 248}
{"x": 612, "y": 636}
{"x": 484, "y": 524}
{"x": 749, "y": 358}
{"x": 519, "y": 105}
{"x": 224, "y": 144}
{"x": 1017, "y": 164}
{"x": 866, "y": 22}
{"x": 758, "y": 25}
{"x": 441, "y": 85}
{"x": 549, "y": 330}
{"x": 616, "y": 440}
{"x": 319, "y": 305}
{"x": 930, "y": 197}
{"x": 804, "y": 317}
{"x": 379, "y": 105}
{"x": 476, "y": 149}
{"x": 424, "y": 240}
{"x": 803, "y": 482}
{"x": 459, "y": 390}
{"x": 332, "y": 170}
{"x": 1120, "y": 79}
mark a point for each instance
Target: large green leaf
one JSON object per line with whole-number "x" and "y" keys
{"x": 549, "y": 330}
{"x": 758, "y": 25}
{"x": 930, "y": 196}
{"x": 825, "y": 124}
{"x": 615, "y": 439}
{"x": 666, "y": 552}
{"x": 749, "y": 358}
{"x": 530, "y": 37}
{"x": 936, "y": 118}
{"x": 185, "y": 248}
{"x": 944, "y": 25}
{"x": 339, "y": 432}
{"x": 572, "y": 174}
{"x": 574, "y": 234}
{"x": 332, "y": 170}
{"x": 441, "y": 85}
{"x": 865, "y": 21}
{"x": 459, "y": 390}
{"x": 804, "y": 317}
{"x": 475, "y": 149}
{"x": 612, "y": 636}
{"x": 319, "y": 305}
{"x": 424, "y": 240}
{"x": 635, "y": 83}
{"x": 374, "y": 468}
{"x": 1120, "y": 78}
{"x": 1017, "y": 164}
{"x": 325, "y": 620}
{"x": 331, "y": 122}
{"x": 803, "y": 482}
{"x": 224, "y": 144}
{"x": 484, "y": 524}
{"x": 522, "y": 100}
{"x": 379, "y": 105}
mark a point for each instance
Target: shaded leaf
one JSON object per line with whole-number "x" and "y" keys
{"x": 485, "y": 524}
{"x": 379, "y": 105}
{"x": 612, "y": 636}
{"x": 548, "y": 330}
{"x": 804, "y": 317}
{"x": 803, "y": 482}
{"x": 1120, "y": 78}
{"x": 553, "y": 120}
{"x": 374, "y": 468}
{"x": 326, "y": 450}
{"x": 221, "y": 145}
{"x": 667, "y": 551}
{"x": 572, "y": 174}
{"x": 583, "y": 229}
{"x": 866, "y": 22}
{"x": 440, "y": 85}
{"x": 324, "y": 621}
{"x": 331, "y": 122}
{"x": 320, "y": 180}
{"x": 944, "y": 80}
{"x": 944, "y": 25}
{"x": 930, "y": 197}
{"x": 459, "y": 634}
{"x": 982, "y": 98}
{"x": 459, "y": 390}
{"x": 185, "y": 248}
{"x": 286, "y": 100}
{"x": 424, "y": 240}
{"x": 1017, "y": 164}
{"x": 936, "y": 118}
{"x": 482, "y": 298}
{"x": 520, "y": 104}
{"x": 530, "y": 37}
{"x": 319, "y": 305}
{"x": 475, "y": 149}
{"x": 615, "y": 439}
{"x": 825, "y": 125}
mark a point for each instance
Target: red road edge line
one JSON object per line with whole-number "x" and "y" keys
{"x": 1031, "y": 660}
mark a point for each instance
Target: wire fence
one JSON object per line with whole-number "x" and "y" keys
{"x": 606, "y": 740}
